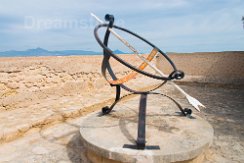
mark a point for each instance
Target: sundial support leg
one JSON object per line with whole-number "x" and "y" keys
{"x": 117, "y": 93}
{"x": 117, "y": 98}
{"x": 141, "y": 135}
{"x": 141, "y": 131}
{"x": 106, "y": 109}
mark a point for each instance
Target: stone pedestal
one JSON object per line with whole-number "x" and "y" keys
{"x": 179, "y": 138}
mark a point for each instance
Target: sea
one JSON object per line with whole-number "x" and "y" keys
{"x": 43, "y": 52}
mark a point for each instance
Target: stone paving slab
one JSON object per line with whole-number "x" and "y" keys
{"x": 25, "y": 115}
{"x": 61, "y": 142}
{"x": 15, "y": 123}
{"x": 178, "y": 138}
{"x": 57, "y": 143}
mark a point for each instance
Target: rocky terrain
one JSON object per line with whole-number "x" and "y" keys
{"x": 42, "y": 97}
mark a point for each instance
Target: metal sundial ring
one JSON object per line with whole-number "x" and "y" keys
{"x": 119, "y": 82}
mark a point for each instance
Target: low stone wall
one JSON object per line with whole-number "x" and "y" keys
{"x": 208, "y": 67}
{"x": 27, "y": 80}
{"x": 24, "y": 81}
{"x": 40, "y": 91}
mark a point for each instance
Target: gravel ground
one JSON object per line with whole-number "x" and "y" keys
{"x": 225, "y": 111}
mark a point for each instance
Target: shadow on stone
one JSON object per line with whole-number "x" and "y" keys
{"x": 75, "y": 149}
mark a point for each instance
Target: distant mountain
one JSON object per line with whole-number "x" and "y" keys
{"x": 118, "y": 52}
{"x": 44, "y": 52}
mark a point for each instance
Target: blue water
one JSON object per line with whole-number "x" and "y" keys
{"x": 39, "y": 55}
{"x": 44, "y": 52}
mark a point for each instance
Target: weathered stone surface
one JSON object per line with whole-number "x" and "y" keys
{"x": 179, "y": 138}
{"x": 64, "y": 144}
{"x": 208, "y": 67}
{"x": 38, "y": 92}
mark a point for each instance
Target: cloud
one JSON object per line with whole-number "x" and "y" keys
{"x": 174, "y": 25}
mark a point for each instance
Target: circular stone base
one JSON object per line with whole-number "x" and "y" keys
{"x": 179, "y": 138}
{"x": 95, "y": 158}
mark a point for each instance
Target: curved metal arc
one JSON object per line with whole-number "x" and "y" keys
{"x": 109, "y": 52}
{"x": 133, "y": 74}
{"x": 110, "y": 18}
{"x": 146, "y": 41}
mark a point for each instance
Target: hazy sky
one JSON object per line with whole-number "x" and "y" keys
{"x": 173, "y": 25}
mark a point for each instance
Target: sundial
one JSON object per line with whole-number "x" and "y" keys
{"x": 134, "y": 134}
{"x": 119, "y": 82}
